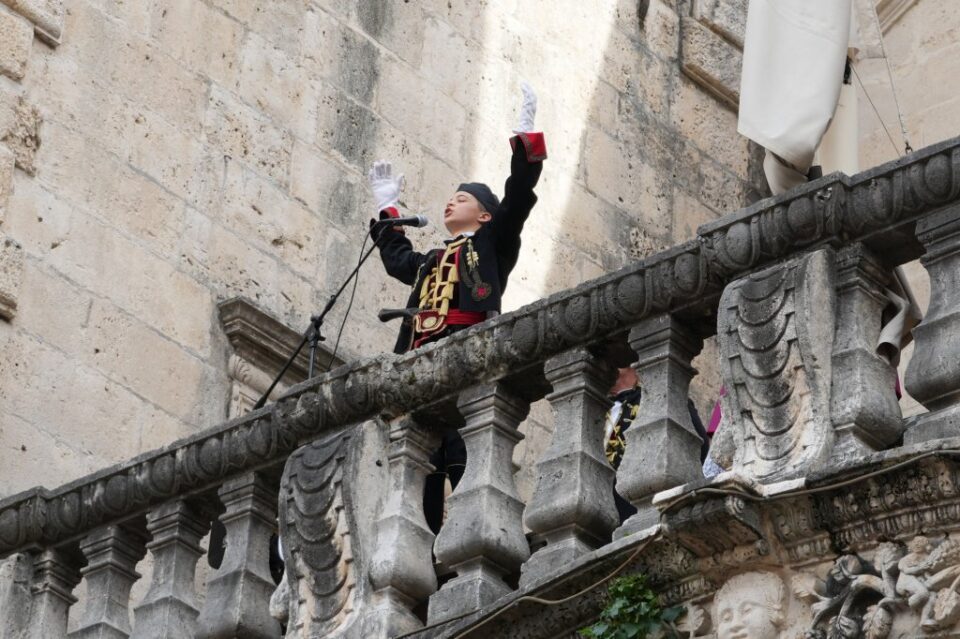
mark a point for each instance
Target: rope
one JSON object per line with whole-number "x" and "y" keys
{"x": 896, "y": 149}
{"x": 893, "y": 87}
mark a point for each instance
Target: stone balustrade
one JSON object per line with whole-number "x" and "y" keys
{"x": 793, "y": 288}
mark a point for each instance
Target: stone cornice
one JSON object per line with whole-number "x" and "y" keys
{"x": 264, "y": 341}
{"x": 878, "y": 207}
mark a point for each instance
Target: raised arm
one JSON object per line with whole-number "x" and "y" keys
{"x": 396, "y": 251}
{"x": 526, "y": 163}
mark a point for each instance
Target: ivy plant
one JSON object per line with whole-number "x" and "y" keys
{"x": 632, "y": 612}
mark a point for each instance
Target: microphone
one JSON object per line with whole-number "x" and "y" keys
{"x": 388, "y": 314}
{"x": 414, "y": 220}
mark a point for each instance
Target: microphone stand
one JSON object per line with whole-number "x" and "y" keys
{"x": 313, "y": 334}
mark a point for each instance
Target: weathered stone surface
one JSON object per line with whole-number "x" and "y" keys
{"x": 726, "y": 17}
{"x": 11, "y": 274}
{"x": 15, "y": 577}
{"x": 16, "y": 38}
{"x": 933, "y": 376}
{"x": 23, "y": 135}
{"x": 713, "y": 62}
{"x": 572, "y": 507}
{"x": 860, "y": 553}
{"x": 169, "y": 609}
{"x": 864, "y": 404}
{"x": 482, "y": 538}
{"x": 402, "y": 571}
{"x": 46, "y": 16}
{"x": 112, "y": 554}
{"x": 238, "y": 592}
{"x": 333, "y": 492}
{"x": 55, "y": 575}
{"x": 662, "y": 447}
{"x": 776, "y": 336}
{"x": 7, "y": 164}
{"x": 752, "y": 604}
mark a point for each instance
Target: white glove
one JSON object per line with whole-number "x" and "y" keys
{"x": 385, "y": 186}
{"x": 528, "y": 110}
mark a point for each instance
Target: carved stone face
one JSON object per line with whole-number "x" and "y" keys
{"x": 750, "y": 606}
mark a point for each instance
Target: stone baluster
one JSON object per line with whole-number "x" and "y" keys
{"x": 55, "y": 574}
{"x": 662, "y": 447}
{"x": 238, "y": 594}
{"x": 401, "y": 569}
{"x": 864, "y": 407}
{"x": 112, "y": 553}
{"x": 482, "y": 539}
{"x": 572, "y": 507}
{"x": 169, "y": 609}
{"x": 933, "y": 376}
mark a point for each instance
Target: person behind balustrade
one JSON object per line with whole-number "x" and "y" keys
{"x": 461, "y": 283}
{"x": 626, "y": 393}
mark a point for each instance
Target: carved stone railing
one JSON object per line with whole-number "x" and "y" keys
{"x": 782, "y": 282}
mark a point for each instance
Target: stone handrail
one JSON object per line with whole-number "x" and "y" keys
{"x": 655, "y": 304}
{"x": 878, "y": 207}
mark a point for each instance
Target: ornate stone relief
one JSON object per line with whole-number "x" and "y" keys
{"x": 330, "y": 495}
{"x": 775, "y": 330}
{"x": 261, "y": 345}
{"x": 753, "y": 605}
{"x": 913, "y": 587}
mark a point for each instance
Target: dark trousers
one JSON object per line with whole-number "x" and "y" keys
{"x": 449, "y": 460}
{"x": 624, "y": 508}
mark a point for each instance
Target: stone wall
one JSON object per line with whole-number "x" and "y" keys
{"x": 171, "y": 154}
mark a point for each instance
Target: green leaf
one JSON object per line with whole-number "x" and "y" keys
{"x": 672, "y": 614}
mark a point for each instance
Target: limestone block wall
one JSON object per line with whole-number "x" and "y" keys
{"x": 160, "y": 156}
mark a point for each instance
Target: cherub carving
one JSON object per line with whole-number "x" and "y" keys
{"x": 929, "y": 579}
{"x": 751, "y": 606}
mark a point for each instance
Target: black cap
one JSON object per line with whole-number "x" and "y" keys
{"x": 484, "y": 195}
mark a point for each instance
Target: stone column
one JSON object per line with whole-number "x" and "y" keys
{"x": 933, "y": 376}
{"x": 15, "y": 598}
{"x": 662, "y": 447}
{"x": 112, "y": 553}
{"x": 169, "y": 609}
{"x": 401, "y": 569}
{"x": 238, "y": 594}
{"x": 55, "y": 574}
{"x": 482, "y": 539}
{"x": 864, "y": 407}
{"x": 572, "y": 507}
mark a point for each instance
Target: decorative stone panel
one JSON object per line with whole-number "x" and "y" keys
{"x": 775, "y": 329}
{"x": 262, "y": 344}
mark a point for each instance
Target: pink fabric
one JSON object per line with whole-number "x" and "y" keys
{"x": 716, "y": 415}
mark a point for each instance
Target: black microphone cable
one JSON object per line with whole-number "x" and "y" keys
{"x": 353, "y": 292}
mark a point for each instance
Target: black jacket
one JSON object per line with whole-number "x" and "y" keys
{"x": 497, "y": 244}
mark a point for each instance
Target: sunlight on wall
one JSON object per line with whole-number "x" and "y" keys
{"x": 559, "y": 48}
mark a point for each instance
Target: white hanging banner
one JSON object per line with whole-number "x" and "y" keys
{"x": 793, "y": 58}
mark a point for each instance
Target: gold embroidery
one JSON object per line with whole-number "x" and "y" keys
{"x": 438, "y": 288}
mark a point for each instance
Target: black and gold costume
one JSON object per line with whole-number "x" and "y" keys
{"x": 616, "y": 444}
{"x": 463, "y": 283}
